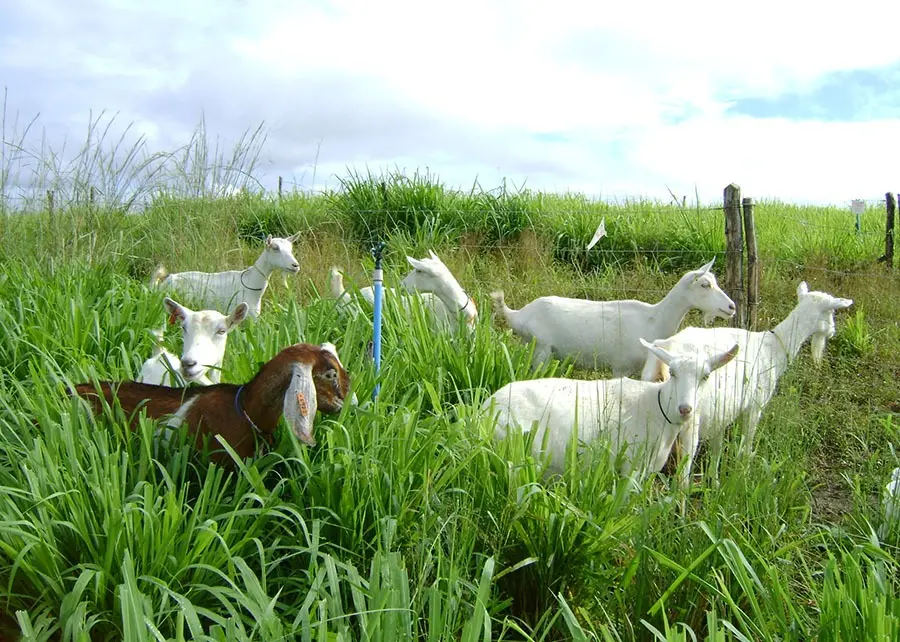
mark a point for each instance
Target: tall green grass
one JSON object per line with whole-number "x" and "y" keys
{"x": 408, "y": 521}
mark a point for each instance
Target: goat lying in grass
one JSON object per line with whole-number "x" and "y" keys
{"x": 742, "y": 390}
{"x": 298, "y": 381}
{"x": 605, "y": 333}
{"x": 431, "y": 280}
{"x": 642, "y": 417}
{"x": 222, "y": 290}
{"x": 205, "y": 338}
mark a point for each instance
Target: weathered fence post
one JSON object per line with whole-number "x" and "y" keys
{"x": 889, "y": 229}
{"x": 279, "y": 187}
{"x": 752, "y": 264}
{"x": 50, "y": 201}
{"x": 734, "y": 253}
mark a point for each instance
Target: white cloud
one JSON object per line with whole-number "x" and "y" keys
{"x": 615, "y": 100}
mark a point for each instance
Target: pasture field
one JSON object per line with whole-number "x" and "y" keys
{"x": 408, "y": 521}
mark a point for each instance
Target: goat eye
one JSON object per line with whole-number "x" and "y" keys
{"x": 221, "y": 331}
{"x": 705, "y": 285}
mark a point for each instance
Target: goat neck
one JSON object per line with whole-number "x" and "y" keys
{"x": 668, "y": 313}
{"x": 262, "y": 399}
{"x": 794, "y": 330}
{"x": 256, "y": 277}
{"x": 455, "y": 299}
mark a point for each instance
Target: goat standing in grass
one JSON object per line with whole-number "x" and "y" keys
{"x": 298, "y": 381}
{"x": 205, "y": 337}
{"x": 742, "y": 390}
{"x": 432, "y": 281}
{"x": 642, "y": 417}
{"x": 222, "y": 290}
{"x": 605, "y": 333}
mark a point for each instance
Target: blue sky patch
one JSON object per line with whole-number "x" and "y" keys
{"x": 550, "y": 137}
{"x": 858, "y": 95}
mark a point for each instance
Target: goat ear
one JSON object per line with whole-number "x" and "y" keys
{"x": 300, "y": 403}
{"x": 176, "y": 310}
{"x": 238, "y": 314}
{"x": 415, "y": 263}
{"x": 269, "y": 240}
{"x": 722, "y": 358}
{"x": 706, "y": 268}
{"x": 661, "y": 353}
{"x": 661, "y": 372}
{"x": 841, "y": 304}
{"x": 294, "y": 237}
{"x": 802, "y": 289}
{"x": 329, "y": 347}
{"x": 433, "y": 255}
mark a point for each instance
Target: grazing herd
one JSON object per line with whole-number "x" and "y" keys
{"x": 694, "y": 383}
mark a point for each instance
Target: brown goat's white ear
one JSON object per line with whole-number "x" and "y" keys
{"x": 237, "y": 315}
{"x": 331, "y": 348}
{"x": 300, "y": 403}
{"x": 176, "y": 310}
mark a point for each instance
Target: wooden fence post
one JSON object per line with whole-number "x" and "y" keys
{"x": 752, "y": 264}
{"x": 279, "y": 188}
{"x": 889, "y": 229}
{"x": 734, "y": 253}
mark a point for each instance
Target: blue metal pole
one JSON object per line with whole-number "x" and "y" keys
{"x": 376, "y": 339}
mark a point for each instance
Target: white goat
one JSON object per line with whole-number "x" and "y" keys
{"x": 605, "y": 333}
{"x": 641, "y": 416}
{"x": 205, "y": 338}
{"x": 890, "y": 504}
{"x": 221, "y": 290}
{"x": 742, "y": 390}
{"x": 431, "y": 280}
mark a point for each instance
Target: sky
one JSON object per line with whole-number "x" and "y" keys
{"x": 614, "y": 100}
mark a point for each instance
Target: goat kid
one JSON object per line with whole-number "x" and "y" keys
{"x": 205, "y": 337}
{"x": 298, "y": 381}
{"x": 432, "y": 281}
{"x": 642, "y": 417}
{"x": 221, "y": 290}
{"x": 605, "y": 333}
{"x": 742, "y": 390}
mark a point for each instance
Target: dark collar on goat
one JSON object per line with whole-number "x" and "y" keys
{"x": 239, "y": 409}
{"x": 466, "y": 304}
{"x": 659, "y": 403}
{"x": 781, "y": 343}
{"x": 247, "y": 287}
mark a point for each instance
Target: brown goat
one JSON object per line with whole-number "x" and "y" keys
{"x": 296, "y": 382}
